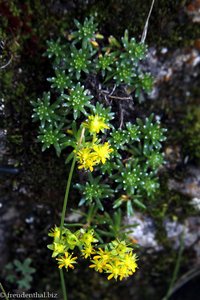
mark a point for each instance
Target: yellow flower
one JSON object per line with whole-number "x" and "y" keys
{"x": 130, "y": 262}
{"x": 120, "y": 248}
{"x": 66, "y": 261}
{"x": 102, "y": 151}
{"x": 72, "y": 240}
{"x": 117, "y": 259}
{"x": 124, "y": 272}
{"x": 97, "y": 265}
{"x": 55, "y": 232}
{"x": 57, "y": 248}
{"x": 103, "y": 256}
{"x": 114, "y": 269}
{"x": 95, "y": 124}
{"x": 100, "y": 261}
{"x": 88, "y": 238}
{"x": 87, "y": 251}
{"x": 86, "y": 158}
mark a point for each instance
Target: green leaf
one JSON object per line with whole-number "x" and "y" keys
{"x": 11, "y": 278}
{"x": 129, "y": 207}
{"x": 139, "y": 203}
{"x": 23, "y": 284}
{"x": 18, "y": 265}
{"x": 69, "y": 157}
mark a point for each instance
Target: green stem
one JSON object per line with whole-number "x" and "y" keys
{"x": 4, "y": 292}
{"x": 74, "y": 225}
{"x": 62, "y": 222}
{"x": 91, "y": 213}
{"x": 62, "y": 279}
{"x": 66, "y": 195}
{"x": 177, "y": 267}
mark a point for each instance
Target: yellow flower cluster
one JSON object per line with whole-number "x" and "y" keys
{"x": 87, "y": 247}
{"x": 68, "y": 241}
{"x": 118, "y": 261}
{"x": 61, "y": 244}
{"x": 93, "y": 153}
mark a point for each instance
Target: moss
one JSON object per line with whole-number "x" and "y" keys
{"x": 191, "y": 132}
